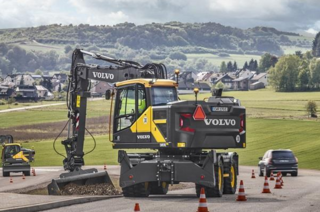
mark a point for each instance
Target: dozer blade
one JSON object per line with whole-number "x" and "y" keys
{"x": 82, "y": 177}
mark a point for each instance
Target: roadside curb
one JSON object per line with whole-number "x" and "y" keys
{"x": 58, "y": 204}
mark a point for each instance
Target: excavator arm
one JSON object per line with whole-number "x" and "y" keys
{"x": 79, "y": 90}
{"x": 79, "y": 85}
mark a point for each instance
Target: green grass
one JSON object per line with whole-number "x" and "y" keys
{"x": 216, "y": 60}
{"x": 50, "y": 114}
{"x": 281, "y": 123}
{"x": 46, "y": 156}
{"x": 300, "y": 136}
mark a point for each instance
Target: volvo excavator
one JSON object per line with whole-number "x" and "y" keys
{"x": 146, "y": 113}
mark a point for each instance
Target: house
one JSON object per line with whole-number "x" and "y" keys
{"x": 245, "y": 73}
{"x": 256, "y": 86}
{"x": 5, "y": 92}
{"x": 241, "y": 84}
{"x": 201, "y": 76}
{"x": 99, "y": 87}
{"x": 26, "y": 91}
{"x": 62, "y": 78}
{"x": 263, "y": 77}
{"x": 41, "y": 91}
{"x": 15, "y": 79}
{"x": 226, "y": 80}
{"x": 44, "y": 93}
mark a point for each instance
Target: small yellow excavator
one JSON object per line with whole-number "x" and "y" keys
{"x": 14, "y": 157}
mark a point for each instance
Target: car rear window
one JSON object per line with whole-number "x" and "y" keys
{"x": 282, "y": 154}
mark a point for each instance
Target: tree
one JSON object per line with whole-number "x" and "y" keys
{"x": 311, "y": 108}
{"x": 284, "y": 76}
{"x": 316, "y": 46}
{"x": 235, "y": 66}
{"x": 38, "y": 72}
{"x": 229, "y": 66}
{"x": 22, "y": 80}
{"x": 303, "y": 78}
{"x": 315, "y": 72}
{"x": 255, "y": 65}
{"x": 67, "y": 49}
{"x": 223, "y": 67}
{"x": 245, "y": 66}
{"x": 251, "y": 65}
{"x": 267, "y": 60}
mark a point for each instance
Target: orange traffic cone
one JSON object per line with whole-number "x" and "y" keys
{"x": 278, "y": 183}
{"x": 281, "y": 180}
{"x": 271, "y": 177}
{"x": 11, "y": 181}
{"x": 252, "y": 176}
{"x": 23, "y": 177}
{"x": 202, "y": 202}
{"x": 136, "y": 207}
{"x": 266, "y": 188}
{"x": 241, "y": 193}
{"x": 105, "y": 167}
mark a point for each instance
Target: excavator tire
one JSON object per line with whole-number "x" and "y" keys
{"x": 230, "y": 183}
{"x": 162, "y": 189}
{"x": 138, "y": 190}
{"x": 26, "y": 173}
{"x": 216, "y": 191}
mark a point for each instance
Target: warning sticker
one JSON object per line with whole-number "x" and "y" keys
{"x": 78, "y": 100}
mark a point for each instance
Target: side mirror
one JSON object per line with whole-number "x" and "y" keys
{"x": 260, "y": 158}
{"x": 108, "y": 94}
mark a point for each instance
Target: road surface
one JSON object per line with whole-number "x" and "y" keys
{"x": 300, "y": 193}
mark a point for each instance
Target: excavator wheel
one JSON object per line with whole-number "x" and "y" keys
{"x": 26, "y": 173}
{"x": 138, "y": 190}
{"x": 230, "y": 183}
{"x": 5, "y": 174}
{"x": 162, "y": 189}
{"x": 216, "y": 191}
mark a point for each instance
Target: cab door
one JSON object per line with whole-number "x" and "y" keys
{"x": 143, "y": 124}
{"x": 125, "y": 114}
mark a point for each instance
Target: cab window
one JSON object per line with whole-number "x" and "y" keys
{"x": 125, "y": 111}
{"x": 163, "y": 95}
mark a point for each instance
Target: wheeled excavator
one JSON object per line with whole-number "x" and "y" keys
{"x": 14, "y": 157}
{"x": 146, "y": 113}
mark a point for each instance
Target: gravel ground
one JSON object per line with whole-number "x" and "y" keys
{"x": 96, "y": 189}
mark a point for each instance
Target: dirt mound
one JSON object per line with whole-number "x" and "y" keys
{"x": 96, "y": 189}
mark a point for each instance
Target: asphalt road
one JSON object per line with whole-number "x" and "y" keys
{"x": 300, "y": 193}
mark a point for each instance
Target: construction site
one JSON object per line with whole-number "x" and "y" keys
{"x": 172, "y": 153}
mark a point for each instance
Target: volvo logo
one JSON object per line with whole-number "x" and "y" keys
{"x": 101, "y": 75}
{"x": 220, "y": 122}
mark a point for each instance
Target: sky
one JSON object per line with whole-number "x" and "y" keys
{"x": 286, "y": 15}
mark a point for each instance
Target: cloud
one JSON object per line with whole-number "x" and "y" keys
{"x": 289, "y": 15}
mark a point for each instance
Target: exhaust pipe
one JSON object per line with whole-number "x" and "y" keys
{"x": 82, "y": 177}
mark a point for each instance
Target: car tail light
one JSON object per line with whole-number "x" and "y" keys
{"x": 184, "y": 122}
{"x": 270, "y": 161}
{"x": 296, "y": 159}
{"x": 241, "y": 129}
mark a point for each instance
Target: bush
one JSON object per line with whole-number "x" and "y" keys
{"x": 311, "y": 107}
{"x": 11, "y": 100}
{"x": 3, "y": 102}
{"x": 219, "y": 85}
